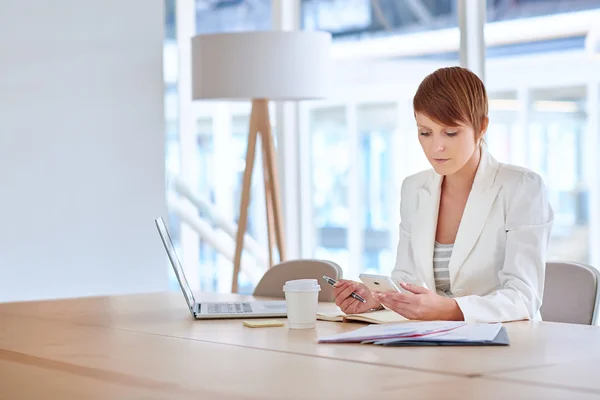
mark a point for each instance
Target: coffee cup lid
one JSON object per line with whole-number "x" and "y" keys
{"x": 302, "y": 285}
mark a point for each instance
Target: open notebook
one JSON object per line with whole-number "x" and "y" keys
{"x": 373, "y": 317}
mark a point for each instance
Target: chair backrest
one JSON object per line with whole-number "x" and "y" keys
{"x": 570, "y": 293}
{"x": 271, "y": 284}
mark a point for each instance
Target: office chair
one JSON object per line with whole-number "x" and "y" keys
{"x": 570, "y": 293}
{"x": 271, "y": 284}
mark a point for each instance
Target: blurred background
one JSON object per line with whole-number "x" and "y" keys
{"x": 355, "y": 148}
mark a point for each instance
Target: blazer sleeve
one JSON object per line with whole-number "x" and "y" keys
{"x": 405, "y": 268}
{"x": 528, "y": 224}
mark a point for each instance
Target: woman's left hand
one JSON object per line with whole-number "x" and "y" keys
{"x": 420, "y": 304}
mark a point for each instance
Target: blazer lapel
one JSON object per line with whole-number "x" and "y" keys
{"x": 479, "y": 204}
{"x": 424, "y": 229}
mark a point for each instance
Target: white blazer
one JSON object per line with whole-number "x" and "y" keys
{"x": 497, "y": 267}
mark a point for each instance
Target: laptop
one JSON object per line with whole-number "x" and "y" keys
{"x": 208, "y": 310}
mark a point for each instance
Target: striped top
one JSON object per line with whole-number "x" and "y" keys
{"x": 441, "y": 260}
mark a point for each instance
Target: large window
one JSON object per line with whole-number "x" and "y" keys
{"x": 231, "y": 16}
{"x": 547, "y": 134}
{"x": 541, "y": 122}
{"x": 378, "y": 137}
{"x": 358, "y": 145}
{"x": 331, "y": 153}
{"x": 364, "y": 140}
{"x": 361, "y": 19}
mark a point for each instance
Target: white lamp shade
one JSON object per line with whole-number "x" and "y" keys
{"x": 274, "y": 65}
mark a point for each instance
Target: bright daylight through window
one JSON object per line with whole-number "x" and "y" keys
{"x": 357, "y": 146}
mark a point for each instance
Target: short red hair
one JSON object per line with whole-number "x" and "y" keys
{"x": 453, "y": 95}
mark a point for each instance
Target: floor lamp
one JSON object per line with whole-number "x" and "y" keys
{"x": 261, "y": 66}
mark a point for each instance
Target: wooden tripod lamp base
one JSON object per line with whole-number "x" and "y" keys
{"x": 260, "y": 125}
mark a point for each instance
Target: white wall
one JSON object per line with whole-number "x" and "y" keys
{"x": 81, "y": 148}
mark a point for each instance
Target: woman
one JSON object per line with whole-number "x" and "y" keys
{"x": 473, "y": 231}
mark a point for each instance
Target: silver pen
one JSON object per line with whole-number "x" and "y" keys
{"x": 332, "y": 282}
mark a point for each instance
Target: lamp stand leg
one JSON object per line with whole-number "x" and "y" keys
{"x": 268, "y": 201}
{"x": 245, "y": 199}
{"x": 260, "y": 124}
{"x": 271, "y": 169}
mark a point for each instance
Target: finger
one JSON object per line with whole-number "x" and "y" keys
{"x": 339, "y": 298}
{"x": 395, "y": 304}
{"x": 362, "y": 290}
{"x": 336, "y": 293}
{"x": 406, "y": 298}
{"x": 407, "y": 310}
{"x": 414, "y": 288}
{"x": 347, "y": 291}
{"x": 343, "y": 293}
{"x": 340, "y": 287}
{"x": 342, "y": 282}
{"x": 384, "y": 301}
{"x": 346, "y": 303}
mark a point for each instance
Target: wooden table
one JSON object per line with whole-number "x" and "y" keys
{"x": 148, "y": 346}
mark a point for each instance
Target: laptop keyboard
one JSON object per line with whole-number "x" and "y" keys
{"x": 229, "y": 308}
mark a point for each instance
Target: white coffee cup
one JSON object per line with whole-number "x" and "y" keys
{"x": 302, "y": 300}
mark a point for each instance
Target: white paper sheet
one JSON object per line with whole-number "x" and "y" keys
{"x": 466, "y": 333}
{"x": 388, "y": 331}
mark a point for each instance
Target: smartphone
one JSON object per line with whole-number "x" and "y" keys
{"x": 380, "y": 283}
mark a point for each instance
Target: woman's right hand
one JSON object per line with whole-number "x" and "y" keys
{"x": 349, "y": 305}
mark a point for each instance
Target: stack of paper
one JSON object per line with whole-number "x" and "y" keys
{"x": 424, "y": 333}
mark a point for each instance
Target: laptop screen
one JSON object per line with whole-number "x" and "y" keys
{"x": 166, "y": 239}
